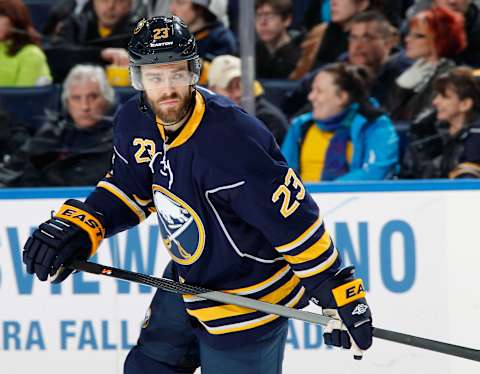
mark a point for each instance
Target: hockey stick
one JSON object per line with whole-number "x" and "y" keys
{"x": 223, "y": 297}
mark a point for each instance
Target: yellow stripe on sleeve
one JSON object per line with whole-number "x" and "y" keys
{"x": 124, "y": 198}
{"x": 315, "y": 251}
{"x": 319, "y": 268}
{"x": 302, "y": 238}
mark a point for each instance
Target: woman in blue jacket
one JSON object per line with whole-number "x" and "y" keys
{"x": 345, "y": 136}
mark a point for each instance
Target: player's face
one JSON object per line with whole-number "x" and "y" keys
{"x": 366, "y": 45}
{"x": 85, "y": 103}
{"x": 5, "y": 27}
{"x": 168, "y": 90}
{"x": 327, "y": 100}
{"x": 110, "y": 12}
{"x": 449, "y": 106}
{"x": 184, "y": 10}
{"x": 460, "y": 6}
{"x": 270, "y": 26}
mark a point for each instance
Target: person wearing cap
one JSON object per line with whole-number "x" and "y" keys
{"x": 224, "y": 78}
{"x": 231, "y": 214}
{"x": 203, "y": 18}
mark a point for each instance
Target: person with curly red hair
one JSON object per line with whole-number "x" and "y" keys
{"x": 436, "y": 35}
{"x": 22, "y": 62}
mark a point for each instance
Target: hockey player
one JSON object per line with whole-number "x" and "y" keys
{"x": 231, "y": 213}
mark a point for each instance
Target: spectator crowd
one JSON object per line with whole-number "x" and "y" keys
{"x": 350, "y": 89}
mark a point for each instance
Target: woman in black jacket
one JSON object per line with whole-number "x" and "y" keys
{"x": 445, "y": 143}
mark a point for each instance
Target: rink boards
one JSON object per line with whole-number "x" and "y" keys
{"x": 415, "y": 244}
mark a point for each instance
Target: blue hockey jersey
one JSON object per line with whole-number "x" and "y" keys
{"x": 232, "y": 215}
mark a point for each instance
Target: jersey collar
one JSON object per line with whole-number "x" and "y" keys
{"x": 188, "y": 128}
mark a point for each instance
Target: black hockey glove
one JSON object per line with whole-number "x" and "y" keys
{"x": 343, "y": 298}
{"x": 75, "y": 232}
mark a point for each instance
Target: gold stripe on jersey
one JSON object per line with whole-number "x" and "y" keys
{"x": 140, "y": 201}
{"x": 262, "y": 285}
{"x": 319, "y": 268}
{"x": 124, "y": 198}
{"x": 240, "y": 326}
{"x": 250, "y": 289}
{"x": 302, "y": 238}
{"x": 190, "y": 127}
{"x": 228, "y": 310}
{"x": 313, "y": 252}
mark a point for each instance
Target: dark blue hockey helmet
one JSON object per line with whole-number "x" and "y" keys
{"x": 162, "y": 40}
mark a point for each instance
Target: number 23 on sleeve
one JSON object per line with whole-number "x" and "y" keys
{"x": 288, "y": 206}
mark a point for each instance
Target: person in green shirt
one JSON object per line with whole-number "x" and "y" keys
{"x": 22, "y": 62}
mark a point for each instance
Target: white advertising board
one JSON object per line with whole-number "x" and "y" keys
{"x": 417, "y": 251}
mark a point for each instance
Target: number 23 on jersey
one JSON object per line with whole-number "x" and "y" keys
{"x": 289, "y": 205}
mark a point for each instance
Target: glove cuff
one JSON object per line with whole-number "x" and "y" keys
{"x": 83, "y": 216}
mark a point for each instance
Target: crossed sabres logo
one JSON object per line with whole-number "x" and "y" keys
{"x": 182, "y": 230}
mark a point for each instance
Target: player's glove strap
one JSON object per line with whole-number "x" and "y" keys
{"x": 74, "y": 233}
{"x": 80, "y": 216}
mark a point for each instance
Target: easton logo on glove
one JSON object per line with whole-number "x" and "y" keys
{"x": 86, "y": 221}
{"x": 348, "y": 292}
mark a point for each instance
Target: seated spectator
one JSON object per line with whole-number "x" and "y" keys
{"x": 22, "y": 62}
{"x": 319, "y": 11}
{"x": 372, "y": 43}
{"x": 471, "y": 12}
{"x": 60, "y": 11}
{"x": 435, "y": 36}
{"x": 446, "y": 143}
{"x": 99, "y": 35}
{"x": 345, "y": 137}
{"x": 224, "y": 78}
{"x": 277, "y": 49}
{"x": 74, "y": 148}
{"x": 327, "y": 41}
{"x": 213, "y": 38}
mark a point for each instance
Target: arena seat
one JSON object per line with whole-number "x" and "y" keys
{"x": 30, "y": 104}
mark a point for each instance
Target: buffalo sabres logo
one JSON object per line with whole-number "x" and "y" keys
{"x": 140, "y": 25}
{"x": 181, "y": 229}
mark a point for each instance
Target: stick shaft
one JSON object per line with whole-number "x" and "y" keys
{"x": 284, "y": 311}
